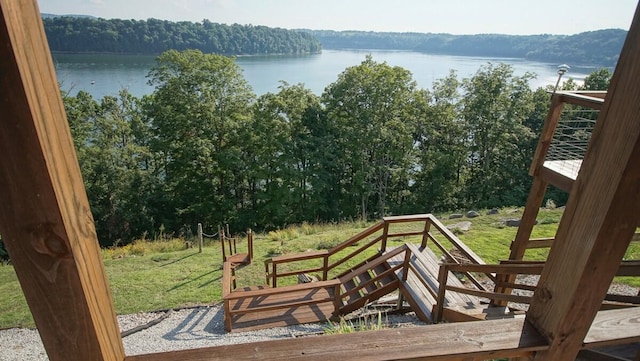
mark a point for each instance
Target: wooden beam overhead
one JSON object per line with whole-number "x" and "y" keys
{"x": 601, "y": 216}
{"x": 45, "y": 219}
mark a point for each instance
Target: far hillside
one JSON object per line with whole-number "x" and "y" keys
{"x": 86, "y": 34}
{"x": 77, "y": 34}
{"x": 599, "y": 48}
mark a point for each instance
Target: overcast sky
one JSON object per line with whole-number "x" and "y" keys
{"x": 436, "y": 16}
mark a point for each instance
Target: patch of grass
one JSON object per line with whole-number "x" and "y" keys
{"x": 367, "y": 323}
{"x": 150, "y": 275}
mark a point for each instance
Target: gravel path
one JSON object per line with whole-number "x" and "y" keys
{"x": 193, "y": 328}
{"x": 182, "y": 329}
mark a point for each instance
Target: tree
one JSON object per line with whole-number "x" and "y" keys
{"x": 200, "y": 105}
{"x": 598, "y": 80}
{"x": 495, "y": 106}
{"x": 440, "y": 139}
{"x": 371, "y": 106}
{"x": 280, "y": 156}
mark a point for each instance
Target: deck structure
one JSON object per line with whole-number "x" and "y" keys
{"x": 48, "y": 230}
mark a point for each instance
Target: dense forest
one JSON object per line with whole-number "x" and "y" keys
{"x": 574, "y": 49}
{"x": 87, "y": 34}
{"x": 203, "y": 148}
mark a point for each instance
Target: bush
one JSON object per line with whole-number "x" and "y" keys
{"x": 4, "y": 255}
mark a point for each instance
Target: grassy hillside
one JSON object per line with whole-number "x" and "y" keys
{"x": 148, "y": 276}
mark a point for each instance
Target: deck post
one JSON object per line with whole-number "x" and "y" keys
{"x": 527, "y": 222}
{"x": 200, "y": 238}
{"x": 601, "y": 216}
{"x": 45, "y": 219}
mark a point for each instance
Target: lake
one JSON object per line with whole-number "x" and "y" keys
{"x": 102, "y": 75}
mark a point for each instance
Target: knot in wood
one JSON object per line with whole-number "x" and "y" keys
{"x": 45, "y": 241}
{"x": 543, "y": 294}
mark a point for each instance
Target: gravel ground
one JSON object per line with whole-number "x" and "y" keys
{"x": 193, "y": 328}
{"x": 182, "y": 329}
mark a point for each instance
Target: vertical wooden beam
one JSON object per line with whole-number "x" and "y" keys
{"x": 528, "y": 220}
{"x": 601, "y": 216}
{"x": 45, "y": 218}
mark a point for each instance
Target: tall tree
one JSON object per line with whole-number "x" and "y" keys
{"x": 200, "y": 104}
{"x": 496, "y": 104}
{"x": 371, "y": 105}
{"x": 440, "y": 140}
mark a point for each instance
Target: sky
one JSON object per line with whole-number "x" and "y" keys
{"x": 519, "y": 17}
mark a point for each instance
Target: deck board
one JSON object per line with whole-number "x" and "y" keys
{"x": 422, "y": 297}
{"x": 310, "y": 305}
{"x": 568, "y": 168}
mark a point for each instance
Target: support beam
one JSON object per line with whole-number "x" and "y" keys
{"x": 45, "y": 219}
{"x": 601, "y": 216}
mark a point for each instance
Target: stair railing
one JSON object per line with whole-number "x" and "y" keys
{"x": 375, "y": 236}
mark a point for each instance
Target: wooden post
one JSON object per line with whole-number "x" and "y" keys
{"x": 250, "y": 245}
{"x": 45, "y": 219}
{"x": 602, "y": 214}
{"x": 527, "y": 222}
{"x": 200, "y": 238}
{"x": 221, "y": 237}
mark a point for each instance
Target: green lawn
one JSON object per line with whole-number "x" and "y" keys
{"x": 148, "y": 276}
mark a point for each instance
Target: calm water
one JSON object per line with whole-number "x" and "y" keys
{"x": 103, "y": 75}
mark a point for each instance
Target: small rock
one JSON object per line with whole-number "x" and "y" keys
{"x": 472, "y": 214}
{"x": 512, "y": 222}
{"x": 462, "y": 226}
{"x": 455, "y": 215}
{"x": 492, "y": 211}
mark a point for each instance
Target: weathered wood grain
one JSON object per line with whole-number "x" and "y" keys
{"x": 45, "y": 219}
{"x": 459, "y": 341}
{"x": 600, "y": 219}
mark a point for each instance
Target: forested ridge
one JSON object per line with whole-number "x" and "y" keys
{"x": 153, "y": 36}
{"x": 203, "y": 148}
{"x": 599, "y": 48}
{"x": 88, "y": 34}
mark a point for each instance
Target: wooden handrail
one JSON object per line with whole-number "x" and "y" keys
{"x": 280, "y": 290}
{"x": 431, "y": 224}
{"x": 529, "y": 268}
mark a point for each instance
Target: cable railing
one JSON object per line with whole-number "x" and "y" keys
{"x": 567, "y": 131}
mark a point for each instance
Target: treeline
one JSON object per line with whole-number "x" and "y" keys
{"x": 573, "y": 49}
{"x": 86, "y": 34}
{"x": 203, "y": 148}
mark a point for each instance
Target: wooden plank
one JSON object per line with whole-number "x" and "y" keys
{"x": 611, "y": 327}
{"x": 455, "y": 341}
{"x": 600, "y": 218}
{"x": 550, "y": 124}
{"x": 583, "y": 100}
{"x": 280, "y": 290}
{"x": 556, "y": 179}
{"x": 45, "y": 219}
{"x": 319, "y": 312}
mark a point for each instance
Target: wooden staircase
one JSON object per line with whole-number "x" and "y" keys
{"x": 367, "y": 282}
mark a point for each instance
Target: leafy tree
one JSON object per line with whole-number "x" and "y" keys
{"x": 370, "y": 105}
{"x": 200, "y": 105}
{"x": 440, "y": 138}
{"x": 279, "y": 153}
{"x": 598, "y": 80}
{"x": 496, "y": 104}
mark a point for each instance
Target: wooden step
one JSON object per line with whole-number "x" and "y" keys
{"x": 365, "y": 279}
{"x": 478, "y": 312}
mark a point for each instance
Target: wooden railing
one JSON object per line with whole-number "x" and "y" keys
{"x": 509, "y": 268}
{"x": 506, "y": 271}
{"x": 431, "y": 231}
{"x": 548, "y": 241}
